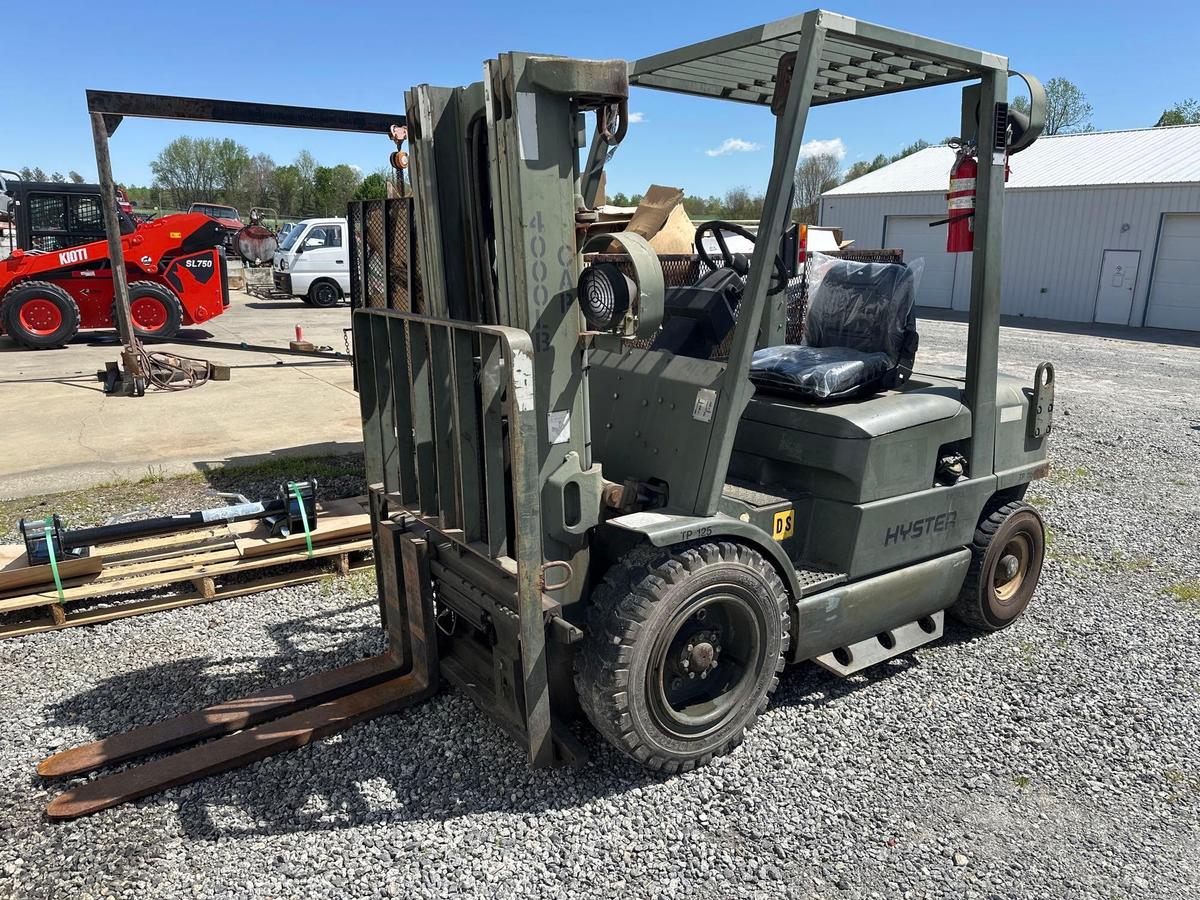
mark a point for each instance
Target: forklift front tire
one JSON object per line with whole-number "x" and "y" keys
{"x": 683, "y": 649}
{"x": 1007, "y": 555}
{"x": 39, "y": 315}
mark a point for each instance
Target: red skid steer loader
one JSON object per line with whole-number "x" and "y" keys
{"x": 175, "y": 267}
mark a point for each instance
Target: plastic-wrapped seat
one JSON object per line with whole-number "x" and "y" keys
{"x": 860, "y": 334}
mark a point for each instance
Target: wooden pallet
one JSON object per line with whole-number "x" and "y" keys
{"x": 185, "y": 568}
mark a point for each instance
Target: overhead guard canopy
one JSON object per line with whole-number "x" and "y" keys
{"x": 858, "y": 59}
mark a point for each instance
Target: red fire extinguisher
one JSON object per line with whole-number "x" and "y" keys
{"x": 960, "y": 234}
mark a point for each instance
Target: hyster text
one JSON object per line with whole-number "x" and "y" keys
{"x": 921, "y": 527}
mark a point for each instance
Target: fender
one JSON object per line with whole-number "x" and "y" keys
{"x": 664, "y": 529}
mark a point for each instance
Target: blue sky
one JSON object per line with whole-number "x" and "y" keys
{"x": 363, "y": 56}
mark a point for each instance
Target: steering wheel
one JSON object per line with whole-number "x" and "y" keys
{"x": 737, "y": 261}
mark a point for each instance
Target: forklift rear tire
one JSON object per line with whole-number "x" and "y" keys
{"x": 39, "y": 315}
{"x": 156, "y": 310}
{"x": 1007, "y": 555}
{"x": 683, "y": 650}
{"x": 324, "y": 294}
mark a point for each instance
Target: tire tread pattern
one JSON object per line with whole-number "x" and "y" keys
{"x": 8, "y": 308}
{"x": 968, "y": 608}
{"x": 619, "y": 608}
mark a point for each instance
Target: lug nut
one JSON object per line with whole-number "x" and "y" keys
{"x": 704, "y": 674}
{"x": 691, "y": 674}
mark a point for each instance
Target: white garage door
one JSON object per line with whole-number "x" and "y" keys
{"x": 1175, "y": 287}
{"x": 913, "y": 235}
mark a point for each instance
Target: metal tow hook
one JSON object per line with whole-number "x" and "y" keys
{"x": 555, "y": 564}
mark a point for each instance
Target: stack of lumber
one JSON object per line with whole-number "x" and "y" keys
{"x": 205, "y": 563}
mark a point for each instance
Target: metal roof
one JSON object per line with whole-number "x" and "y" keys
{"x": 858, "y": 59}
{"x": 1142, "y": 156}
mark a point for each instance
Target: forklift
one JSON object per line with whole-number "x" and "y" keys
{"x": 593, "y": 493}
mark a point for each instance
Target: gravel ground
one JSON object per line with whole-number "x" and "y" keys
{"x": 1060, "y": 758}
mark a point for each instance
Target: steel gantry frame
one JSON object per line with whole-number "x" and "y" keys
{"x": 107, "y": 109}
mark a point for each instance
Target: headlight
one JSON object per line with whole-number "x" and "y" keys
{"x": 283, "y": 265}
{"x": 604, "y": 294}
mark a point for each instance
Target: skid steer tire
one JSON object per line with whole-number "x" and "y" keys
{"x": 39, "y": 315}
{"x": 156, "y": 310}
{"x": 1006, "y": 561}
{"x": 662, "y": 623}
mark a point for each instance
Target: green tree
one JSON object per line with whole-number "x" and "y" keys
{"x": 739, "y": 203}
{"x": 1185, "y": 112}
{"x": 38, "y": 174}
{"x": 333, "y": 186}
{"x": 75, "y": 177}
{"x": 1067, "y": 109}
{"x": 58, "y": 178}
{"x": 814, "y": 176}
{"x": 285, "y": 186}
{"x": 26, "y": 173}
{"x": 306, "y": 170}
{"x": 231, "y": 161}
{"x": 863, "y": 166}
{"x": 373, "y": 187}
{"x": 257, "y": 182}
{"x": 187, "y": 169}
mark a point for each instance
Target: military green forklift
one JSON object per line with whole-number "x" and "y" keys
{"x": 594, "y": 492}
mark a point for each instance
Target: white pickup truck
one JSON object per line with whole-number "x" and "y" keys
{"x": 313, "y": 262}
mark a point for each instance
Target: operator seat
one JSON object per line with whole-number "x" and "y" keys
{"x": 860, "y": 335}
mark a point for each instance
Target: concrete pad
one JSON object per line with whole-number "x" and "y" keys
{"x": 59, "y": 431}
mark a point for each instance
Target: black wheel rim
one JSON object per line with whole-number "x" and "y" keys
{"x": 706, "y": 662}
{"x": 326, "y": 295}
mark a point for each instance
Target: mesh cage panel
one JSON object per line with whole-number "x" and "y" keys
{"x": 87, "y": 215}
{"x": 354, "y": 218}
{"x": 374, "y": 256}
{"x": 384, "y": 270}
{"x": 399, "y": 240}
{"x": 47, "y": 212}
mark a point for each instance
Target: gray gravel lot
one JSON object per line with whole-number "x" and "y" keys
{"x": 1060, "y": 758}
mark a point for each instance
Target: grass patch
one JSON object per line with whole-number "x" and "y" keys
{"x": 1123, "y": 563}
{"x": 291, "y": 468}
{"x": 1183, "y": 781}
{"x": 1185, "y": 591}
{"x": 357, "y": 584}
{"x": 1021, "y": 781}
{"x": 1116, "y": 564}
{"x": 1077, "y": 475}
{"x": 191, "y": 490}
{"x": 1029, "y": 651}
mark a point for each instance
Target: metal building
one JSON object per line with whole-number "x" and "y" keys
{"x": 1098, "y": 227}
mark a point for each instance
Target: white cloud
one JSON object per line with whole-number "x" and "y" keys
{"x": 356, "y": 169}
{"x": 635, "y": 117}
{"x": 731, "y": 145}
{"x": 815, "y": 148}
